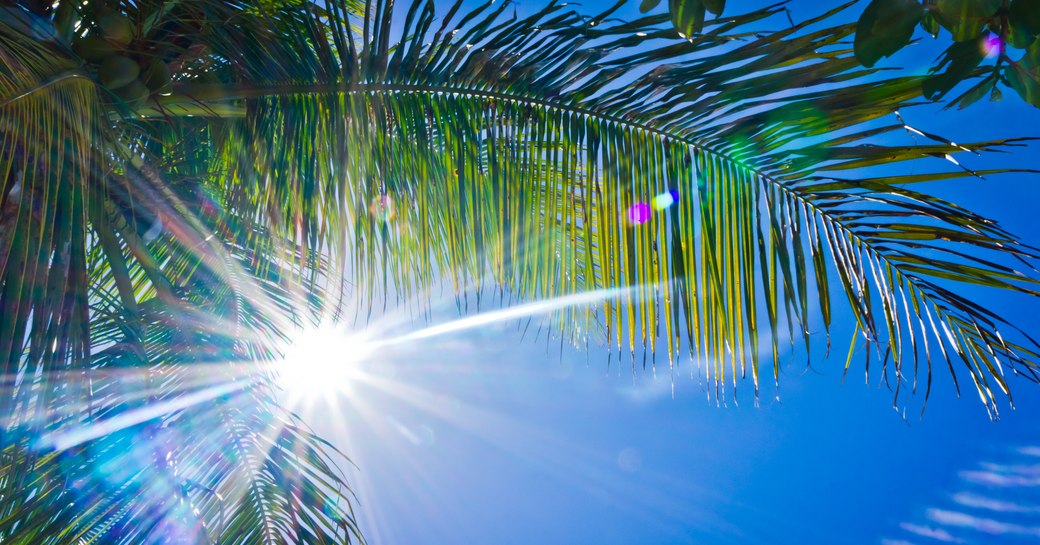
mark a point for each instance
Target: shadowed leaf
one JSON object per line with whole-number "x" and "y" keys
{"x": 965, "y": 19}
{"x": 687, "y": 16}
{"x": 884, "y": 28}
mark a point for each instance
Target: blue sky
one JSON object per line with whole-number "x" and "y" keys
{"x": 481, "y": 438}
{"x": 479, "y": 441}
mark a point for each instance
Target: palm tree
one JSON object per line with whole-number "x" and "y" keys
{"x": 184, "y": 183}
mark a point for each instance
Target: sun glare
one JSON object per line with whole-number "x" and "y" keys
{"x": 321, "y": 361}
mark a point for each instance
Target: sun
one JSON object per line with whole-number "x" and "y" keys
{"x": 321, "y": 361}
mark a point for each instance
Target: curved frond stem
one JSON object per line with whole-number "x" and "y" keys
{"x": 46, "y": 84}
{"x": 844, "y": 247}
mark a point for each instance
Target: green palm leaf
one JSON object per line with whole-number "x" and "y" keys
{"x": 324, "y": 160}
{"x": 97, "y": 224}
{"x": 515, "y": 147}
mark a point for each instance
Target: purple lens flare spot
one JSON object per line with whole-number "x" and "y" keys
{"x": 639, "y": 213}
{"x": 992, "y": 46}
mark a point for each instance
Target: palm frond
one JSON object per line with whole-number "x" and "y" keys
{"x": 46, "y": 139}
{"x": 731, "y": 189}
{"x": 99, "y": 229}
{"x": 514, "y": 150}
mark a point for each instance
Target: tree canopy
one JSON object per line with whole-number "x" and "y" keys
{"x": 186, "y": 183}
{"x": 981, "y": 30}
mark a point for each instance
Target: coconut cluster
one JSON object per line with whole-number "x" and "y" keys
{"x": 107, "y": 47}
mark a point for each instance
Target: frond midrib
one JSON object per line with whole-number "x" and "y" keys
{"x": 73, "y": 74}
{"x": 220, "y": 93}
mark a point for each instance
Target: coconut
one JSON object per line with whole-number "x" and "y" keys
{"x": 156, "y": 75}
{"x": 133, "y": 93}
{"x": 116, "y": 71}
{"x": 116, "y": 27}
{"x": 92, "y": 48}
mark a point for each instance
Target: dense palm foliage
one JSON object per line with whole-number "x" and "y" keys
{"x": 994, "y": 41}
{"x": 274, "y": 163}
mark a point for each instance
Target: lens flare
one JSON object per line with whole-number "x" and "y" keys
{"x": 382, "y": 208}
{"x": 511, "y": 313}
{"x": 992, "y": 46}
{"x": 639, "y": 213}
{"x": 67, "y": 438}
{"x": 666, "y": 199}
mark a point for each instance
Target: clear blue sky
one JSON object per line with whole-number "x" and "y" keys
{"x": 478, "y": 438}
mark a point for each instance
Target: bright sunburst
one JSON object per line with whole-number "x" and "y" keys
{"x": 321, "y": 361}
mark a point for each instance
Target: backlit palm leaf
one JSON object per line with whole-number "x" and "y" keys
{"x": 324, "y": 159}
{"x": 514, "y": 149}
{"x": 100, "y": 443}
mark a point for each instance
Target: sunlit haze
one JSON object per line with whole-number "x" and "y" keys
{"x": 321, "y": 361}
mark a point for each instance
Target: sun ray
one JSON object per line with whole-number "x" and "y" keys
{"x": 511, "y": 313}
{"x": 565, "y": 460}
{"x": 63, "y": 439}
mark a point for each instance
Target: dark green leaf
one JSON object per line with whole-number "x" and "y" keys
{"x": 687, "y": 16}
{"x": 959, "y": 60}
{"x": 977, "y": 91}
{"x": 647, "y": 5}
{"x": 885, "y": 27}
{"x": 1024, "y": 75}
{"x": 965, "y": 19}
{"x": 930, "y": 24}
{"x": 1025, "y": 15}
{"x": 715, "y": 6}
{"x": 1017, "y": 36}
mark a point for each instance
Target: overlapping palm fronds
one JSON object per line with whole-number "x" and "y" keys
{"x": 326, "y": 158}
{"x": 515, "y": 148}
{"x": 46, "y": 146}
{"x": 133, "y": 406}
